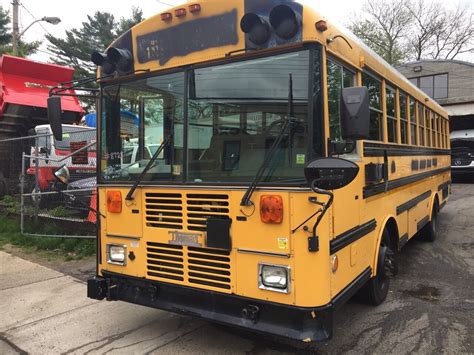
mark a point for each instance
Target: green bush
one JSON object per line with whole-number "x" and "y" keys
{"x": 70, "y": 248}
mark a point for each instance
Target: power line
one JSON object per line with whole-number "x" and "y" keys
{"x": 34, "y": 17}
{"x": 165, "y": 3}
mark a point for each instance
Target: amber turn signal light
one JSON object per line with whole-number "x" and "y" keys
{"x": 271, "y": 209}
{"x": 114, "y": 201}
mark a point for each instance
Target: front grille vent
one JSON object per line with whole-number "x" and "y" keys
{"x": 170, "y": 211}
{"x": 200, "y": 207}
{"x": 198, "y": 267}
{"x": 164, "y": 210}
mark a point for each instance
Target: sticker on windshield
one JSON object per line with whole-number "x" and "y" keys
{"x": 300, "y": 158}
{"x": 66, "y": 135}
{"x": 176, "y": 169}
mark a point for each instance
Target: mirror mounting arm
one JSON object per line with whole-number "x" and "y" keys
{"x": 325, "y": 206}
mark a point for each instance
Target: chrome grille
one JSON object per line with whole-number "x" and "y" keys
{"x": 198, "y": 267}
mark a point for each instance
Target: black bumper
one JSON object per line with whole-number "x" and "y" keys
{"x": 462, "y": 171}
{"x": 295, "y": 323}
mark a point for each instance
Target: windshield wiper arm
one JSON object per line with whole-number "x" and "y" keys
{"x": 274, "y": 147}
{"x": 130, "y": 193}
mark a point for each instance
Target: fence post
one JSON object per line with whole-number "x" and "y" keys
{"x": 22, "y": 191}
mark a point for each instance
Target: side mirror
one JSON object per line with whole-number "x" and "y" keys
{"x": 62, "y": 175}
{"x": 54, "y": 117}
{"x": 330, "y": 173}
{"x": 355, "y": 113}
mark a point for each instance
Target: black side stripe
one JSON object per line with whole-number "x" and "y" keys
{"x": 350, "y": 290}
{"x": 375, "y": 189}
{"x": 442, "y": 205}
{"x": 393, "y": 150}
{"x": 422, "y": 223}
{"x": 350, "y": 236}
{"x": 403, "y": 240}
{"x": 413, "y": 202}
{"x": 444, "y": 185}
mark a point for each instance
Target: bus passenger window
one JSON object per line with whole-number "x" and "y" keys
{"x": 391, "y": 114}
{"x": 375, "y": 102}
{"x": 414, "y": 137}
{"x": 403, "y": 118}
{"x": 421, "y": 124}
{"x": 338, "y": 77}
{"x": 428, "y": 129}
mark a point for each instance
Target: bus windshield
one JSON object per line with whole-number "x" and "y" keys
{"x": 234, "y": 113}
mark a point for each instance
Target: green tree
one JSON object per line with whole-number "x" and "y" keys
{"x": 97, "y": 33}
{"x": 404, "y": 30}
{"x": 24, "y": 48}
{"x": 384, "y": 28}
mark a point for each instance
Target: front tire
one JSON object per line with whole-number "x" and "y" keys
{"x": 375, "y": 291}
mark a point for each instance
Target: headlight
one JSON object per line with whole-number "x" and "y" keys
{"x": 117, "y": 254}
{"x": 274, "y": 278}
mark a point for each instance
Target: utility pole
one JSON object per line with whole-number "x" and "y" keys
{"x": 16, "y": 30}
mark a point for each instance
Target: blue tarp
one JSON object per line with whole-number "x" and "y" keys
{"x": 91, "y": 118}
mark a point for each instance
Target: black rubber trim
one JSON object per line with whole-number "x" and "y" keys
{"x": 444, "y": 185}
{"x": 442, "y": 205}
{"x": 343, "y": 296}
{"x": 282, "y": 320}
{"x": 375, "y": 189}
{"x": 422, "y": 223}
{"x": 413, "y": 202}
{"x": 377, "y": 150}
{"x": 350, "y": 236}
{"x": 403, "y": 240}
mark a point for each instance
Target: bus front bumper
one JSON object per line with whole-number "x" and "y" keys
{"x": 295, "y": 323}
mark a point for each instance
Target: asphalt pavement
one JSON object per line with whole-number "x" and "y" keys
{"x": 430, "y": 308}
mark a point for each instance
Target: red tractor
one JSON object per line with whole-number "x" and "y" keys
{"x": 24, "y": 89}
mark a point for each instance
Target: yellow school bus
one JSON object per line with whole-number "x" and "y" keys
{"x": 278, "y": 167}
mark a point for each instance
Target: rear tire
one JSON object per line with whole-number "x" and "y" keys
{"x": 375, "y": 291}
{"x": 430, "y": 231}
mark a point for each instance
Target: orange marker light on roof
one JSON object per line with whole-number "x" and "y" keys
{"x": 271, "y": 209}
{"x": 180, "y": 12}
{"x": 321, "y": 25}
{"x": 166, "y": 16}
{"x": 114, "y": 201}
{"x": 194, "y": 8}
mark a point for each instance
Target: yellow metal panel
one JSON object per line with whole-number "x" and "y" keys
{"x": 208, "y": 8}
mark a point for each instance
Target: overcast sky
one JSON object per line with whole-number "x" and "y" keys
{"x": 74, "y": 12}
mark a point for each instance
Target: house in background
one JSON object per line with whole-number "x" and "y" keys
{"x": 451, "y": 84}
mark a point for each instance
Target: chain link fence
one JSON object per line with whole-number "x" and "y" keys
{"x": 29, "y": 188}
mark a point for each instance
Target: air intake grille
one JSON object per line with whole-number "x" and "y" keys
{"x": 199, "y": 207}
{"x": 164, "y": 210}
{"x": 199, "y": 267}
{"x": 170, "y": 211}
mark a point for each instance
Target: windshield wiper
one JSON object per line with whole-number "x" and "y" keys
{"x": 274, "y": 147}
{"x": 167, "y": 141}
